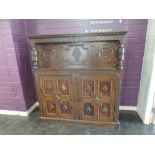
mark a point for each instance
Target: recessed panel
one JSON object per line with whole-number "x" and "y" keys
{"x": 51, "y": 107}
{"x": 75, "y": 55}
{"x": 63, "y": 87}
{"x": 48, "y": 86}
{"x": 104, "y": 88}
{"x": 88, "y": 88}
{"x": 65, "y": 108}
{"x": 104, "y": 110}
{"x": 88, "y": 109}
{"x": 105, "y": 54}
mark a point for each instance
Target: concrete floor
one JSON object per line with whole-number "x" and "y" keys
{"x": 130, "y": 124}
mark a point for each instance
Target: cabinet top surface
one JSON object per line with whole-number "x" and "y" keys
{"x": 77, "y": 35}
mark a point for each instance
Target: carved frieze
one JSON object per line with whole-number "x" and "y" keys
{"x": 96, "y": 55}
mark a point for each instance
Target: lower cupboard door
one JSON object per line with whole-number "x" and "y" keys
{"x": 97, "y": 97}
{"x": 57, "y": 96}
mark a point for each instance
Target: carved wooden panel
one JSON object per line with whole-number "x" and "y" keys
{"x": 88, "y": 88}
{"x": 104, "y": 54}
{"x": 105, "y": 88}
{"x": 88, "y": 55}
{"x": 104, "y": 110}
{"x": 49, "y": 87}
{"x": 89, "y": 109}
{"x": 75, "y": 55}
{"x": 66, "y": 108}
{"x": 63, "y": 86}
{"x": 48, "y": 55}
{"x": 96, "y": 96}
{"x": 57, "y": 95}
{"x": 51, "y": 107}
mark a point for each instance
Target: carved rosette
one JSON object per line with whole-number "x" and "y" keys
{"x": 34, "y": 58}
{"x": 121, "y": 56}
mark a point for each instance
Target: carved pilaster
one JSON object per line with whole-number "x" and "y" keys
{"x": 34, "y": 58}
{"x": 121, "y": 56}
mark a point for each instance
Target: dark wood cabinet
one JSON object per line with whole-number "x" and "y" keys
{"x": 78, "y": 76}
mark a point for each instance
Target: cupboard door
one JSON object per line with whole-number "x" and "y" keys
{"x": 87, "y": 89}
{"x": 57, "y": 96}
{"x": 66, "y": 103}
{"x": 97, "y": 97}
{"x": 48, "y": 92}
{"x": 107, "y": 98}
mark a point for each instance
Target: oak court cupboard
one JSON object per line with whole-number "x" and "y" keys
{"x": 78, "y": 76}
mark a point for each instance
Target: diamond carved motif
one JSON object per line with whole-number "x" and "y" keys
{"x": 104, "y": 109}
{"x": 51, "y": 107}
{"x": 88, "y": 109}
{"x": 48, "y": 86}
{"x": 88, "y": 88}
{"x": 65, "y": 107}
{"x": 63, "y": 87}
{"x": 105, "y": 87}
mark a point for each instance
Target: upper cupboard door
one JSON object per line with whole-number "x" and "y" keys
{"x": 57, "y": 94}
{"x": 78, "y": 55}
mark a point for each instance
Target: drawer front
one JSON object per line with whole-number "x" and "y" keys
{"x": 78, "y": 55}
{"x": 57, "y": 96}
{"x": 97, "y": 97}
